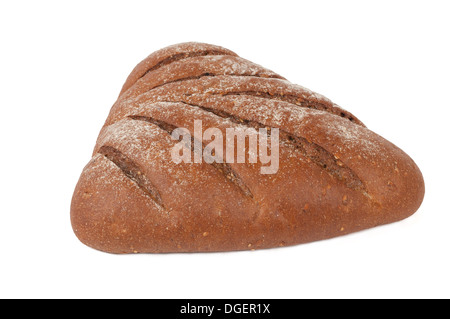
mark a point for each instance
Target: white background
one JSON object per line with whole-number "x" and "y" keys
{"x": 62, "y": 65}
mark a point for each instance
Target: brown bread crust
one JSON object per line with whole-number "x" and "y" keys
{"x": 335, "y": 175}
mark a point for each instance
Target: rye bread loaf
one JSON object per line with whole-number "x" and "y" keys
{"x": 335, "y": 176}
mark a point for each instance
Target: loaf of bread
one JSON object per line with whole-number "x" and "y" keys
{"x": 332, "y": 175}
